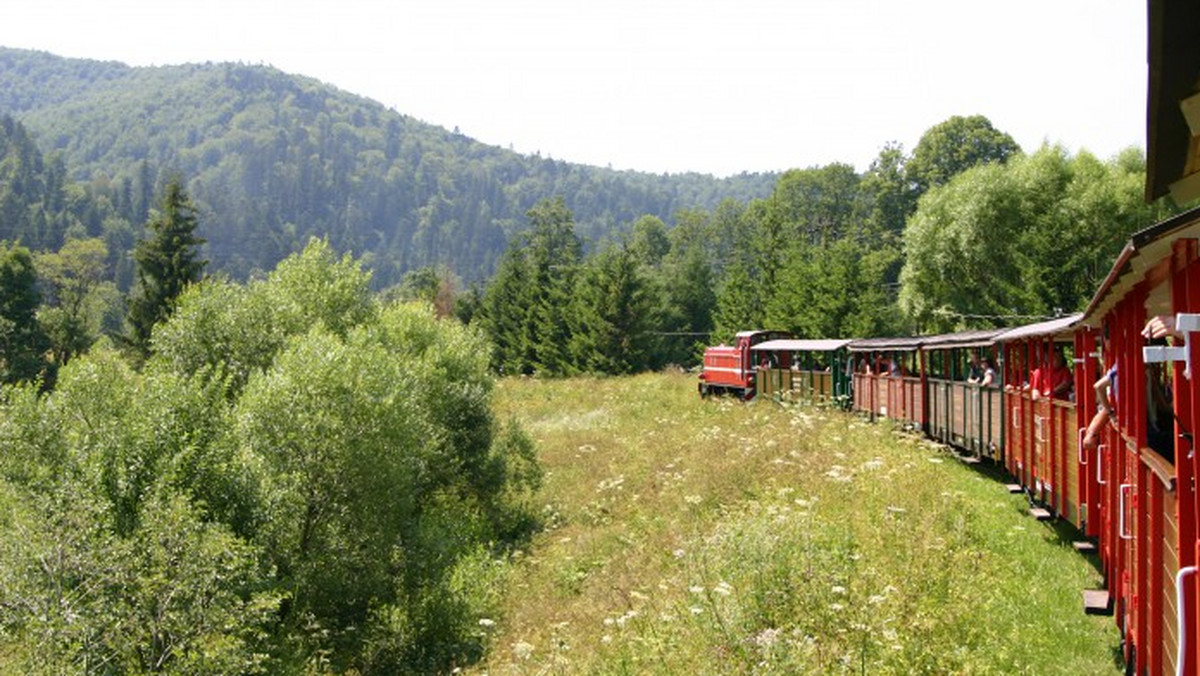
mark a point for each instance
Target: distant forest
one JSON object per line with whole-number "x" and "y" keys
{"x": 272, "y": 159}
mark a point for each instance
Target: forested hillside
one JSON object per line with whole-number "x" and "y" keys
{"x": 272, "y": 159}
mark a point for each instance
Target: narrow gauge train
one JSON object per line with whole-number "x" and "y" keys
{"x": 1127, "y": 482}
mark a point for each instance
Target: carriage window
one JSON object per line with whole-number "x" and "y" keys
{"x": 1160, "y": 414}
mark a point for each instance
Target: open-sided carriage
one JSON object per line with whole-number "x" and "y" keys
{"x": 817, "y": 371}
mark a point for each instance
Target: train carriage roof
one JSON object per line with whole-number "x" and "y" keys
{"x": 1047, "y": 328}
{"x": 945, "y": 341}
{"x": 797, "y": 345}
{"x": 1146, "y": 249}
{"x": 885, "y": 344}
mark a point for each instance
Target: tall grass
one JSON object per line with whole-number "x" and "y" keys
{"x": 715, "y": 537}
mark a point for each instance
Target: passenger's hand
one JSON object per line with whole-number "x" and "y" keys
{"x": 1159, "y": 326}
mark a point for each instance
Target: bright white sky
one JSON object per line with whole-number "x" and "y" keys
{"x": 716, "y": 86}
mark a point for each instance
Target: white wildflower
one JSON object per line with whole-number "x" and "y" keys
{"x": 766, "y": 638}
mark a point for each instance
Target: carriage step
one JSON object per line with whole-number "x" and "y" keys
{"x": 1014, "y": 488}
{"x": 1084, "y": 547}
{"x": 1040, "y": 514}
{"x": 969, "y": 459}
{"x": 1096, "y": 602}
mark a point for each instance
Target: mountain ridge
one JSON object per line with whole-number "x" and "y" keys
{"x": 273, "y": 158}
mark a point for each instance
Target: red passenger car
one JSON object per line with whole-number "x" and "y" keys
{"x": 1049, "y": 381}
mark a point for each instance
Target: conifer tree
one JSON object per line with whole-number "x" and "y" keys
{"x": 689, "y": 302}
{"x": 166, "y": 263}
{"x": 504, "y": 313}
{"x": 739, "y": 305}
{"x": 554, "y": 252}
{"x": 612, "y": 315}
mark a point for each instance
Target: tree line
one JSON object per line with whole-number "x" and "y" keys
{"x": 965, "y": 232}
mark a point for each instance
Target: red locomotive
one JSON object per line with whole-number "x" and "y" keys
{"x": 729, "y": 369}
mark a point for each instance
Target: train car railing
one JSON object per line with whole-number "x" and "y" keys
{"x": 810, "y": 386}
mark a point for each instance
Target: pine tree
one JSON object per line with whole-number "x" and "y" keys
{"x": 167, "y": 262}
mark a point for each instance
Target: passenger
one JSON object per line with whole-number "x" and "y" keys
{"x": 974, "y": 373}
{"x": 989, "y": 374}
{"x": 1039, "y": 383}
{"x": 1061, "y": 382}
{"x": 894, "y": 368}
{"x": 1106, "y": 398}
{"x": 1160, "y": 414}
{"x": 1160, "y": 418}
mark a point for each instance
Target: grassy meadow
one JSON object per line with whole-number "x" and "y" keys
{"x": 714, "y": 537}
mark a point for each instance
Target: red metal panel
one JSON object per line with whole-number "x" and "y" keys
{"x": 1086, "y": 374}
{"x": 1014, "y": 439}
{"x": 1040, "y": 450}
{"x": 923, "y": 391}
{"x": 1190, "y": 508}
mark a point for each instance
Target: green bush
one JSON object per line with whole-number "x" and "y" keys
{"x": 298, "y": 479}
